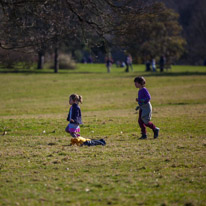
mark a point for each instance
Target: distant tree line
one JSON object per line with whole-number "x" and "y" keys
{"x": 152, "y": 33}
{"x": 146, "y": 29}
{"x": 192, "y": 17}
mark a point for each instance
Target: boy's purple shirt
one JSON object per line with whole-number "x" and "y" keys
{"x": 143, "y": 96}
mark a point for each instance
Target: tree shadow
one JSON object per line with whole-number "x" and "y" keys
{"x": 165, "y": 74}
{"x": 45, "y": 72}
{"x": 25, "y": 72}
{"x": 144, "y": 73}
{"x": 175, "y": 74}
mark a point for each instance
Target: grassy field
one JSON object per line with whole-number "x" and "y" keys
{"x": 38, "y": 167}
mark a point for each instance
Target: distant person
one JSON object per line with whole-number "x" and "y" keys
{"x": 128, "y": 63}
{"x": 84, "y": 60}
{"x": 122, "y": 64}
{"x": 162, "y": 63}
{"x": 204, "y": 63}
{"x": 74, "y": 116}
{"x": 118, "y": 63}
{"x": 148, "y": 66}
{"x": 153, "y": 65}
{"x": 108, "y": 61}
{"x": 89, "y": 60}
{"x": 145, "y": 108}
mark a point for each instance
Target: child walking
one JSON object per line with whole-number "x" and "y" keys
{"x": 145, "y": 108}
{"x": 74, "y": 116}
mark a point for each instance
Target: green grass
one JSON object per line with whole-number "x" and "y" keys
{"x": 40, "y": 168}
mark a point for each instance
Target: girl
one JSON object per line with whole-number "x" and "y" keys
{"x": 145, "y": 112}
{"x": 74, "y": 116}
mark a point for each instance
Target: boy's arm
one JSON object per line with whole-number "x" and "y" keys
{"x": 143, "y": 101}
{"x": 145, "y": 98}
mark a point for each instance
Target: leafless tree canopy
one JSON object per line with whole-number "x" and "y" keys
{"x": 33, "y": 22}
{"x": 42, "y": 23}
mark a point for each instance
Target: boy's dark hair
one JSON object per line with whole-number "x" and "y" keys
{"x": 140, "y": 80}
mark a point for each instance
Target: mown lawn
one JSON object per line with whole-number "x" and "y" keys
{"x": 38, "y": 167}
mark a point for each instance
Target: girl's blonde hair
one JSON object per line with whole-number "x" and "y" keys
{"x": 76, "y": 98}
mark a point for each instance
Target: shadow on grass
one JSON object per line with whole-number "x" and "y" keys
{"x": 144, "y": 73}
{"x": 179, "y": 103}
{"x": 165, "y": 74}
{"x": 176, "y": 74}
{"x": 46, "y": 72}
{"x": 6, "y": 71}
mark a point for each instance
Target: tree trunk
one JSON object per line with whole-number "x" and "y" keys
{"x": 40, "y": 60}
{"x": 56, "y": 60}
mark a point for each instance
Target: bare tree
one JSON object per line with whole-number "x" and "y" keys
{"x": 40, "y": 24}
{"x": 29, "y": 23}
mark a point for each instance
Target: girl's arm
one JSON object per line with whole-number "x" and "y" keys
{"x": 76, "y": 116}
{"x": 68, "y": 117}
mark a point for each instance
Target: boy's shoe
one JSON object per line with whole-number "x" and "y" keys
{"x": 144, "y": 136}
{"x": 156, "y": 132}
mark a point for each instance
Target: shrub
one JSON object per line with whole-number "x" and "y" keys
{"x": 16, "y": 59}
{"x": 66, "y": 62}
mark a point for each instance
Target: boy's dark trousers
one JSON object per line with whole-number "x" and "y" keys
{"x": 143, "y": 125}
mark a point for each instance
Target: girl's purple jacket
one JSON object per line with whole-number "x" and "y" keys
{"x": 75, "y": 114}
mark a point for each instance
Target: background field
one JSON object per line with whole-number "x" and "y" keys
{"x": 38, "y": 167}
